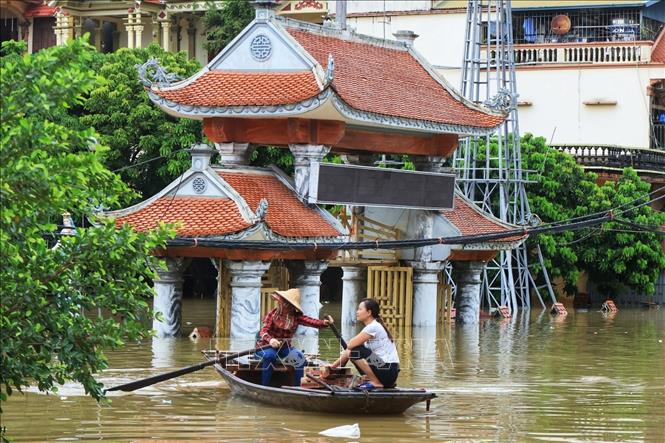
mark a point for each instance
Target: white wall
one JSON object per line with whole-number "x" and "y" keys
{"x": 557, "y": 94}
{"x": 360, "y": 6}
{"x": 441, "y": 39}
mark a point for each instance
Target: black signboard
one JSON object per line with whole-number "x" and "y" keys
{"x": 367, "y": 186}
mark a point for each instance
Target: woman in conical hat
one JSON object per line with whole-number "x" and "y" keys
{"x": 279, "y": 326}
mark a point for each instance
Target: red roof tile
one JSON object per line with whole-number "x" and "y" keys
{"x": 200, "y": 216}
{"x": 286, "y": 215}
{"x": 389, "y": 82}
{"x": 470, "y": 220}
{"x": 223, "y": 88}
{"x": 40, "y": 11}
{"x": 658, "y": 49}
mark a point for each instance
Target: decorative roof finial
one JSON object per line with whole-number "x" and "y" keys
{"x": 330, "y": 71}
{"x": 152, "y": 72}
{"x": 262, "y": 210}
{"x": 265, "y": 9}
{"x": 503, "y": 101}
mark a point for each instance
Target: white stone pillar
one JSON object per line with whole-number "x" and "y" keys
{"x": 304, "y": 155}
{"x": 166, "y": 35}
{"x": 467, "y": 276}
{"x": 64, "y": 27}
{"x": 129, "y": 27}
{"x": 306, "y": 276}
{"x": 138, "y": 29}
{"x": 245, "y": 297}
{"x": 425, "y": 285}
{"x": 168, "y": 296}
{"x": 354, "y": 289}
{"x": 234, "y": 153}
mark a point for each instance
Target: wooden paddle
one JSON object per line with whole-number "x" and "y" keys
{"x": 342, "y": 341}
{"x": 138, "y": 384}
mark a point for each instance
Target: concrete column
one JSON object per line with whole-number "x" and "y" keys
{"x": 129, "y": 26}
{"x": 234, "y": 153}
{"x": 428, "y": 163}
{"x": 306, "y": 276}
{"x": 245, "y": 297}
{"x": 191, "y": 38}
{"x": 64, "y": 27}
{"x": 166, "y": 35}
{"x": 138, "y": 29}
{"x": 354, "y": 289}
{"x": 467, "y": 299}
{"x": 425, "y": 285}
{"x": 304, "y": 156}
{"x": 168, "y": 296}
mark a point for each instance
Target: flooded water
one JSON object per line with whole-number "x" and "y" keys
{"x": 585, "y": 377}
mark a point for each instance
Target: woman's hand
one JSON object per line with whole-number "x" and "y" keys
{"x": 324, "y": 371}
{"x": 275, "y": 343}
{"x": 328, "y": 320}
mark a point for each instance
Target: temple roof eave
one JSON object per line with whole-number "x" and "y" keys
{"x": 306, "y": 108}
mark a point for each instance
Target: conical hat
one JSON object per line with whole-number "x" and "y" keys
{"x": 292, "y": 296}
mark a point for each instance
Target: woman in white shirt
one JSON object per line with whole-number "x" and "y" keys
{"x": 372, "y": 349}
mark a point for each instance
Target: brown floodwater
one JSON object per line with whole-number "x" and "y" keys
{"x": 585, "y": 377}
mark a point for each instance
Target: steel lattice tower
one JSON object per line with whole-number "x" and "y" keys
{"x": 490, "y": 168}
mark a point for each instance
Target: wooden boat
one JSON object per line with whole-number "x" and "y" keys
{"x": 336, "y": 396}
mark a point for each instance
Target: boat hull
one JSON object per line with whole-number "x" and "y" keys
{"x": 388, "y": 401}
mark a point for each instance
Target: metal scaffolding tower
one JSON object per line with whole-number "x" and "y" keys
{"x": 490, "y": 168}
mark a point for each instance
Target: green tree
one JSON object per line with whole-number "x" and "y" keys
{"x": 560, "y": 191}
{"x": 65, "y": 299}
{"x": 223, "y": 24}
{"x": 147, "y": 146}
{"x": 619, "y": 256}
{"x": 614, "y": 258}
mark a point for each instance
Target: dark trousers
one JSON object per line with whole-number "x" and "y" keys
{"x": 287, "y": 355}
{"x": 386, "y": 372}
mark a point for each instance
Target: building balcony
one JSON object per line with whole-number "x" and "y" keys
{"x": 307, "y": 10}
{"x": 596, "y": 53}
{"x": 649, "y": 163}
{"x": 658, "y": 136}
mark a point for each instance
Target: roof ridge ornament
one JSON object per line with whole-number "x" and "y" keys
{"x": 330, "y": 71}
{"x": 265, "y": 9}
{"x": 151, "y": 72}
{"x": 503, "y": 101}
{"x": 261, "y": 210}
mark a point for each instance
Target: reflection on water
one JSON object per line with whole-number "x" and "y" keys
{"x": 579, "y": 378}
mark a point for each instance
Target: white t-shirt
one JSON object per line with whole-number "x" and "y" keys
{"x": 380, "y": 344}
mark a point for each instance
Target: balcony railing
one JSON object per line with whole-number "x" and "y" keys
{"x": 658, "y": 136}
{"x": 581, "y": 53}
{"x": 647, "y": 160}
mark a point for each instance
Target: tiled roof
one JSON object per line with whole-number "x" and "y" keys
{"x": 389, "y": 82}
{"x": 470, "y": 220}
{"x": 658, "y": 49}
{"x": 39, "y": 11}
{"x": 200, "y": 216}
{"x": 223, "y": 88}
{"x": 286, "y": 215}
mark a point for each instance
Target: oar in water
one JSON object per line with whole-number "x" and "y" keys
{"x": 342, "y": 341}
{"x": 138, "y": 384}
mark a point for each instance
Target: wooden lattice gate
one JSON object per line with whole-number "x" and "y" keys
{"x": 392, "y": 287}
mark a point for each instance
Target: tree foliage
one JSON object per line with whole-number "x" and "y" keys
{"x": 147, "y": 146}
{"x": 223, "y": 24}
{"x": 63, "y": 302}
{"x": 615, "y": 257}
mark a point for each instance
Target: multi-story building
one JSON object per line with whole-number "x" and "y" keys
{"x": 176, "y": 25}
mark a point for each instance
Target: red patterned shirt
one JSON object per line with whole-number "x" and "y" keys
{"x": 272, "y": 330}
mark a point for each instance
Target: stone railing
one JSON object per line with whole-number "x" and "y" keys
{"x": 648, "y": 160}
{"x": 581, "y": 53}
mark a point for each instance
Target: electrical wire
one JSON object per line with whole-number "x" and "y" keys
{"x": 509, "y": 235}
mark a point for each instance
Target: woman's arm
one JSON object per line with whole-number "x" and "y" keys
{"x": 264, "y": 334}
{"x": 358, "y": 340}
{"x": 311, "y": 322}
